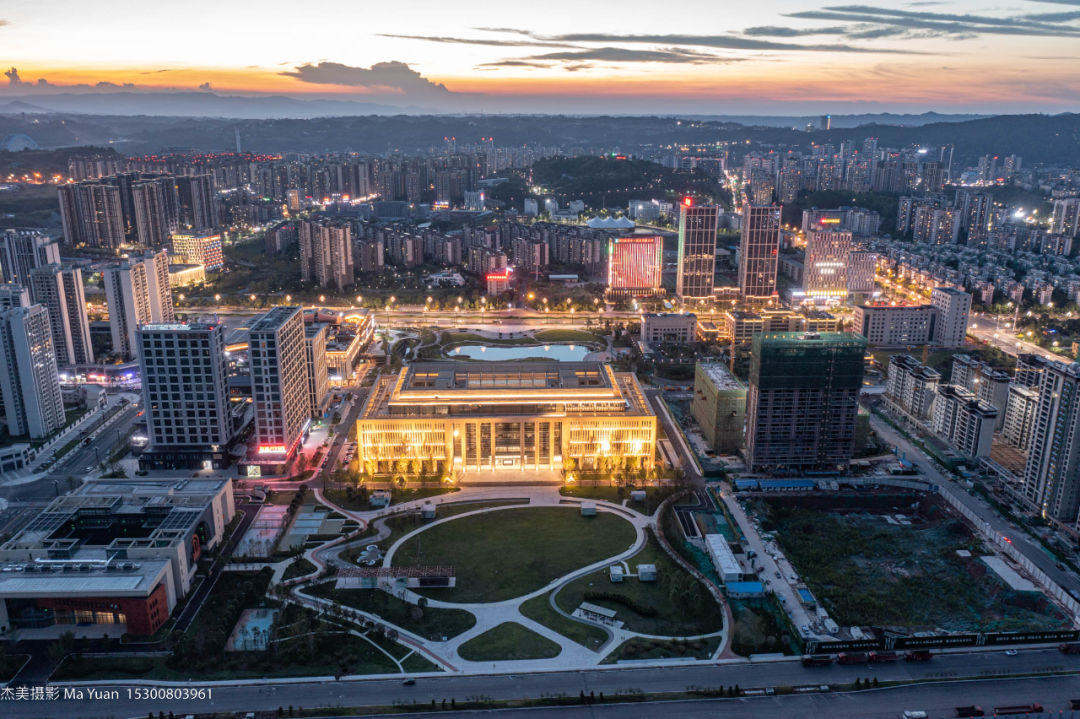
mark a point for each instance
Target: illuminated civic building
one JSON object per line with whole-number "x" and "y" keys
{"x": 199, "y": 249}
{"x": 634, "y": 265}
{"x": 759, "y": 250}
{"x": 111, "y": 557}
{"x": 445, "y": 417}
{"x": 697, "y": 250}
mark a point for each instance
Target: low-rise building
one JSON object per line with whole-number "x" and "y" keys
{"x": 890, "y": 325}
{"x": 668, "y": 328}
{"x": 112, "y": 557}
{"x": 719, "y": 406}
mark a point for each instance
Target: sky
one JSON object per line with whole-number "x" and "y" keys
{"x": 686, "y": 56}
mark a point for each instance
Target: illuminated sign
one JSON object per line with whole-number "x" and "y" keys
{"x": 504, "y": 275}
{"x": 272, "y": 449}
{"x": 688, "y": 201}
{"x": 829, "y": 221}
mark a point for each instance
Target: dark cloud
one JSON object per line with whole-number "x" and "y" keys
{"x": 718, "y": 42}
{"x": 929, "y": 24}
{"x": 514, "y": 63}
{"x": 13, "y": 78}
{"x": 779, "y": 31}
{"x": 620, "y": 54}
{"x": 393, "y": 76}
{"x": 478, "y": 41}
{"x": 206, "y": 86}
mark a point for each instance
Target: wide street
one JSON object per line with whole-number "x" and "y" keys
{"x": 269, "y": 695}
{"x": 998, "y": 332}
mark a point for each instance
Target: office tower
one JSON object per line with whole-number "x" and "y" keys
{"x": 954, "y": 307}
{"x": 29, "y": 383}
{"x": 964, "y": 421}
{"x": 634, "y": 265}
{"x": 826, "y": 122}
{"x": 803, "y": 399}
{"x": 152, "y": 225}
{"x": 137, "y": 293}
{"x": 23, "y": 250}
{"x": 60, "y": 290}
{"x": 318, "y": 372}
{"x": 1066, "y": 217}
{"x": 196, "y": 197}
{"x": 13, "y": 295}
{"x": 697, "y": 250}
{"x": 91, "y": 214}
{"x": 326, "y": 256}
{"x": 759, "y": 249}
{"x": 279, "y": 383}
{"x": 826, "y": 266}
{"x": 185, "y": 396}
{"x": 1052, "y": 473}
{"x": 199, "y": 249}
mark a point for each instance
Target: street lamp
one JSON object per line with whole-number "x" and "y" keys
{"x": 217, "y": 298}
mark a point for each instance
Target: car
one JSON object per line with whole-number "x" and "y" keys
{"x": 88, "y": 469}
{"x": 408, "y": 682}
{"x": 1011, "y": 652}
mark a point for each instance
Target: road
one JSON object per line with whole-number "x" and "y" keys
{"x": 998, "y": 333}
{"x": 267, "y": 696}
{"x": 1021, "y": 540}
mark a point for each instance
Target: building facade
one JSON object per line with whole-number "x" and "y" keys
{"x": 719, "y": 406}
{"x": 759, "y": 249}
{"x": 185, "y": 397}
{"x": 279, "y": 384}
{"x": 697, "y": 250}
{"x": 668, "y": 328}
{"x": 826, "y": 265}
{"x": 954, "y": 308}
{"x": 803, "y": 400}
{"x": 634, "y": 265}
{"x": 29, "y": 381}
{"x": 447, "y": 417}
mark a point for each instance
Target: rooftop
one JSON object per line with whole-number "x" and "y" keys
{"x": 720, "y": 376}
{"x": 274, "y": 319}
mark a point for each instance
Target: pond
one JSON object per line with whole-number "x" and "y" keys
{"x": 489, "y": 353}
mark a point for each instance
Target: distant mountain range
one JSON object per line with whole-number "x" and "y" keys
{"x": 1051, "y": 139}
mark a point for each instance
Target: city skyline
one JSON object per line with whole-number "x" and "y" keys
{"x": 791, "y": 58}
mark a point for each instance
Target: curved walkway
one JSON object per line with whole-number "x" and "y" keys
{"x": 491, "y": 614}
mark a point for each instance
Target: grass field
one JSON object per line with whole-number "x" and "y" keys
{"x": 508, "y": 641}
{"x": 539, "y": 609}
{"x": 298, "y": 568}
{"x": 682, "y": 605}
{"x": 867, "y": 571}
{"x": 663, "y": 649}
{"x": 429, "y": 622}
{"x": 507, "y": 553}
{"x": 567, "y": 336}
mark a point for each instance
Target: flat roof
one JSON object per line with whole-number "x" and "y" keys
{"x": 275, "y": 318}
{"x": 120, "y": 578}
{"x": 720, "y": 376}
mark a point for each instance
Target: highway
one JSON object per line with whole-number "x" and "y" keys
{"x": 268, "y": 695}
{"x": 998, "y": 332}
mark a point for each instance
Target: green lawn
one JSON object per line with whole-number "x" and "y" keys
{"x": 506, "y": 553}
{"x": 653, "y": 495}
{"x": 299, "y": 568}
{"x": 506, "y": 642}
{"x": 358, "y": 501}
{"x": 539, "y": 609}
{"x": 663, "y": 649}
{"x": 454, "y": 508}
{"x": 682, "y": 605}
{"x": 430, "y": 623}
{"x": 567, "y": 336}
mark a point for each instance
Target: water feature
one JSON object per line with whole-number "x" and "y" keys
{"x": 490, "y": 353}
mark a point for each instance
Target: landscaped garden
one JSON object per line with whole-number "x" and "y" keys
{"x": 539, "y": 609}
{"x": 506, "y": 553}
{"x": 429, "y": 622}
{"x": 507, "y": 642}
{"x": 676, "y": 604}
